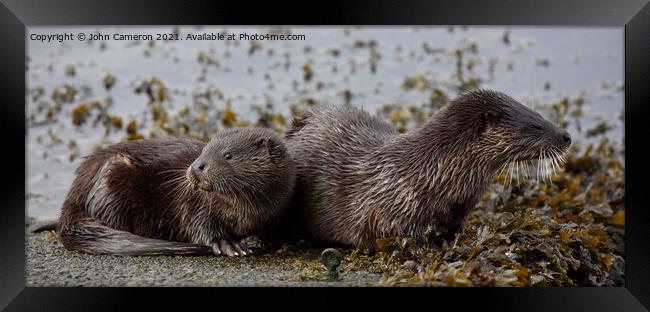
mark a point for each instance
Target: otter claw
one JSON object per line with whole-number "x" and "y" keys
{"x": 231, "y": 249}
{"x": 216, "y": 249}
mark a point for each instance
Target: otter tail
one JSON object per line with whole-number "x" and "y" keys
{"x": 91, "y": 237}
{"x": 44, "y": 227}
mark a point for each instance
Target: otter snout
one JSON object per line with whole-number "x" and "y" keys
{"x": 198, "y": 167}
{"x": 565, "y": 138}
{"x": 197, "y": 174}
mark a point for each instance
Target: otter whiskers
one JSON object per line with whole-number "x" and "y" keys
{"x": 548, "y": 163}
{"x": 181, "y": 186}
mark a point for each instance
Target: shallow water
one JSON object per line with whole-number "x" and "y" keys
{"x": 587, "y": 61}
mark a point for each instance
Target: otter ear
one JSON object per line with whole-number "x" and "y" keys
{"x": 262, "y": 142}
{"x": 269, "y": 145}
{"x": 489, "y": 118}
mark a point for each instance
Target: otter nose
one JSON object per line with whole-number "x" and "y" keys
{"x": 198, "y": 167}
{"x": 566, "y": 138}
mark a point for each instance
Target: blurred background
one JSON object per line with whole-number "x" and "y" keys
{"x": 85, "y": 95}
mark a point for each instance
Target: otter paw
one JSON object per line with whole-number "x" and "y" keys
{"x": 230, "y": 249}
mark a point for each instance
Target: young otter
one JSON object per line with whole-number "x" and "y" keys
{"x": 359, "y": 180}
{"x": 178, "y": 196}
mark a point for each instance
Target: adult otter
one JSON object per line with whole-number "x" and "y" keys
{"x": 178, "y": 196}
{"x": 359, "y": 180}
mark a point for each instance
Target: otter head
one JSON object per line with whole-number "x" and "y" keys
{"x": 239, "y": 161}
{"x": 507, "y": 134}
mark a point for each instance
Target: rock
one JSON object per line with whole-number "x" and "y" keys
{"x": 331, "y": 259}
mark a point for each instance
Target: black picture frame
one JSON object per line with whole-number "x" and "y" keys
{"x": 634, "y": 15}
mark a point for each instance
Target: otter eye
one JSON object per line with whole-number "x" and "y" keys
{"x": 227, "y": 156}
{"x": 536, "y": 127}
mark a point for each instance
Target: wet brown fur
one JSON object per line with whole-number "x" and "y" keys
{"x": 359, "y": 180}
{"x": 133, "y": 198}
